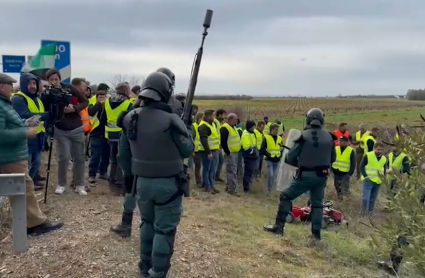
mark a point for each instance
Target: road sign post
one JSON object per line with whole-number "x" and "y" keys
{"x": 13, "y": 63}
{"x": 63, "y": 58}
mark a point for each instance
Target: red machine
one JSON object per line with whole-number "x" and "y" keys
{"x": 330, "y": 215}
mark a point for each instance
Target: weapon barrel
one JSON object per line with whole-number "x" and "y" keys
{"x": 187, "y": 111}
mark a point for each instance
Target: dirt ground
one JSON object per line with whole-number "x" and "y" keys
{"x": 219, "y": 236}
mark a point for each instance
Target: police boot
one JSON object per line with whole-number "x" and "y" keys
{"x": 277, "y": 229}
{"x": 124, "y": 228}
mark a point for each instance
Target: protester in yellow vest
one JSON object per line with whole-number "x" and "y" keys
{"x": 209, "y": 149}
{"x": 99, "y": 145}
{"x": 272, "y": 149}
{"x": 231, "y": 145}
{"x": 370, "y": 140}
{"x": 31, "y": 109}
{"x": 359, "y": 141}
{"x": 372, "y": 166}
{"x": 220, "y": 115}
{"x": 250, "y": 154}
{"x": 343, "y": 167}
{"x": 117, "y": 103}
{"x": 240, "y": 155}
{"x": 267, "y": 126}
{"x": 398, "y": 163}
{"x": 197, "y": 161}
{"x": 259, "y": 135}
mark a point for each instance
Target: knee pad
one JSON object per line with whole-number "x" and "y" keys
{"x": 284, "y": 197}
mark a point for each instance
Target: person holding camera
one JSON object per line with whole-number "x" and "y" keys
{"x": 31, "y": 109}
{"x": 14, "y": 156}
{"x": 68, "y": 132}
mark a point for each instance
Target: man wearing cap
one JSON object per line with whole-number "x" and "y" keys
{"x": 14, "y": 156}
{"x": 117, "y": 103}
{"x": 343, "y": 167}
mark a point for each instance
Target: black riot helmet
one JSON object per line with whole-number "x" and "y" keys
{"x": 157, "y": 86}
{"x": 315, "y": 117}
{"x": 168, "y": 73}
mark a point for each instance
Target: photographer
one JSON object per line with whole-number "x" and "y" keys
{"x": 68, "y": 130}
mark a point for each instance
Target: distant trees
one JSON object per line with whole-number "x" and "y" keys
{"x": 413, "y": 94}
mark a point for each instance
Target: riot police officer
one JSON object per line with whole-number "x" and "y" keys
{"x": 313, "y": 154}
{"x": 159, "y": 142}
{"x": 124, "y": 158}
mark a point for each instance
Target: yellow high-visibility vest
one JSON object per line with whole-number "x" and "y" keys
{"x": 112, "y": 116}
{"x": 260, "y": 138}
{"x": 367, "y": 138}
{"x": 374, "y": 167}
{"x": 248, "y": 140}
{"x": 132, "y": 99}
{"x": 93, "y": 100}
{"x": 234, "y": 140}
{"x": 197, "y": 138}
{"x": 361, "y": 137}
{"x": 213, "y": 139}
{"x": 273, "y": 148}
{"x": 396, "y": 164}
{"x": 267, "y": 128}
{"x": 342, "y": 162}
{"x": 32, "y": 107}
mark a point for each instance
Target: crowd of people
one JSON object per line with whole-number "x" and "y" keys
{"x": 93, "y": 126}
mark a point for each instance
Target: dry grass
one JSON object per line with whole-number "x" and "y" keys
{"x": 219, "y": 236}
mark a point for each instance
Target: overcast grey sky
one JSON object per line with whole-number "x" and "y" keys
{"x": 267, "y": 47}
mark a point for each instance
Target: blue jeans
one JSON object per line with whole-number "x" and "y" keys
{"x": 99, "y": 159}
{"x": 219, "y": 163}
{"x": 208, "y": 170}
{"x": 34, "y": 162}
{"x": 272, "y": 169}
{"x": 370, "y": 194}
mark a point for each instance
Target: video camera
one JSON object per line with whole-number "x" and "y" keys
{"x": 55, "y": 99}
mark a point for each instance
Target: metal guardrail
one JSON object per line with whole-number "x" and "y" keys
{"x": 13, "y": 186}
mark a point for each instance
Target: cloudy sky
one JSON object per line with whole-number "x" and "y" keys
{"x": 267, "y": 47}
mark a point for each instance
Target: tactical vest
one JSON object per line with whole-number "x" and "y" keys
{"x": 111, "y": 128}
{"x": 155, "y": 155}
{"x": 213, "y": 139}
{"x": 342, "y": 162}
{"x": 361, "y": 138}
{"x": 259, "y": 136}
{"x": 316, "y": 149}
{"x": 197, "y": 139}
{"x": 374, "y": 167}
{"x": 273, "y": 148}
{"x": 32, "y": 107}
{"x": 233, "y": 141}
{"x": 396, "y": 164}
{"x": 267, "y": 128}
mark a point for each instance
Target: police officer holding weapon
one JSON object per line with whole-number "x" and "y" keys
{"x": 159, "y": 141}
{"x": 313, "y": 154}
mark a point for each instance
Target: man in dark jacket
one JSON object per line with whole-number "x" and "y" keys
{"x": 14, "y": 156}
{"x": 271, "y": 149}
{"x": 99, "y": 145}
{"x": 29, "y": 106}
{"x": 343, "y": 167}
{"x": 250, "y": 154}
{"x": 210, "y": 145}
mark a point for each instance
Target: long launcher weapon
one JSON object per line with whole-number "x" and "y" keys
{"x": 187, "y": 110}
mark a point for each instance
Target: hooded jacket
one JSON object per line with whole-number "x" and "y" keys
{"x": 19, "y": 103}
